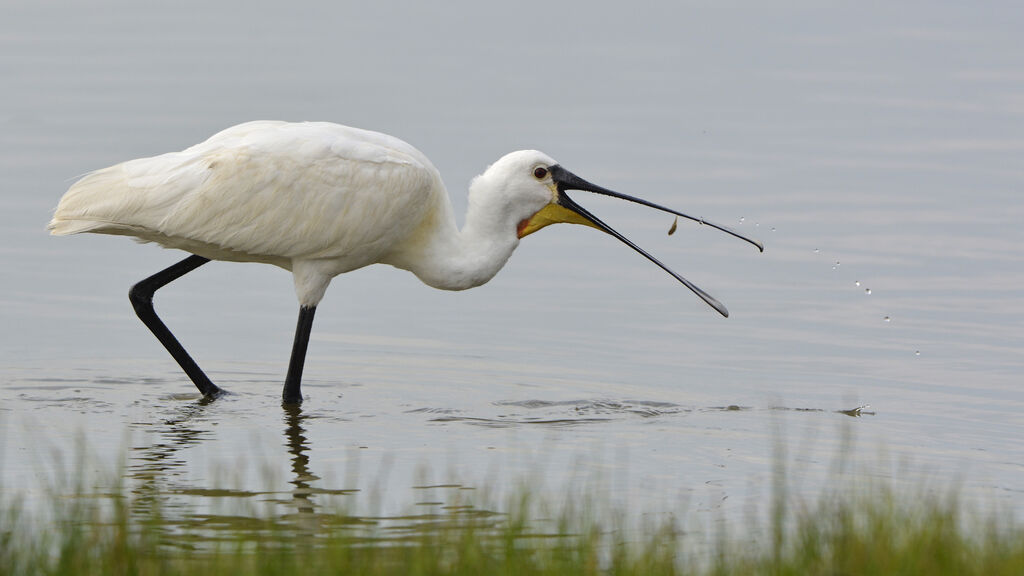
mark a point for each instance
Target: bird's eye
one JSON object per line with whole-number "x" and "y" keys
{"x": 540, "y": 172}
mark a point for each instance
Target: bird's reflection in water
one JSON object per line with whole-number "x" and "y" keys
{"x": 200, "y": 512}
{"x": 311, "y": 517}
{"x": 305, "y": 516}
{"x": 297, "y": 444}
{"x": 155, "y": 465}
{"x": 161, "y": 482}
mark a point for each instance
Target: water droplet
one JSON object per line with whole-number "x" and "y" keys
{"x": 917, "y": 352}
{"x": 816, "y": 250}
{"x": 856, "y": 282}
{"x": 757, "y": 224}
{"x": 837, "y": 263}
{"x": 773, "y": 228}
{"x": 742, "y": 219}
{"x": 867, "y": 290}
{"x": 887, "y": 319}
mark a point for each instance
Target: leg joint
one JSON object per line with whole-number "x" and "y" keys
{"x": 141, "y": 297}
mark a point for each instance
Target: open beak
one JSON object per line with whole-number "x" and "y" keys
{"x": 564, "y": 209}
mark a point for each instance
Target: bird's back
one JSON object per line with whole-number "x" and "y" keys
{"x": 266, "y": 191}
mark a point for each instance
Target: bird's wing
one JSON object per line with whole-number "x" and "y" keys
{"x": 265, "y": 191}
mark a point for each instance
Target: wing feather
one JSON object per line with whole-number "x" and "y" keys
{"x": 265, "y": 191}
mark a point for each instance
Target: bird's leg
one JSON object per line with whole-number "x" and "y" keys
{"x": 292, "y": 382}
{"x": 141, "y": 296}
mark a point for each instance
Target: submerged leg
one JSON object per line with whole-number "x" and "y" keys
{"x": 292, "y": 382}
{"x": 141, "y": 296}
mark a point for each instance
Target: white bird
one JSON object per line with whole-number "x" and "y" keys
{"x": 321, "y": 199}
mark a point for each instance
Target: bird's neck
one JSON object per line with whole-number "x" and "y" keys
{"x": 451, "y": 259}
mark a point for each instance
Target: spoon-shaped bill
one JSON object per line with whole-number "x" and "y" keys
{"x": 568, "y": 203}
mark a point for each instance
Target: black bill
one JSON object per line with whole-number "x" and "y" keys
{"x": 566, "y": 180}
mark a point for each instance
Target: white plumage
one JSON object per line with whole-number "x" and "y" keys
{"x": 321, "y": 195}
{"x": 321, "y": 199}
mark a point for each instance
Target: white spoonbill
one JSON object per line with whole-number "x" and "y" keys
{"x": 321, "y": 199}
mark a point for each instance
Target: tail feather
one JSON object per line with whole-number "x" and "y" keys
{"x": 62, "y": 227}
{"x": 88, "y": 205}
{"x": 121, "y": 199}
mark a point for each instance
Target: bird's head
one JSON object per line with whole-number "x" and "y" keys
{"x": 514, "y": 189}
{"x": 532, "y": 188}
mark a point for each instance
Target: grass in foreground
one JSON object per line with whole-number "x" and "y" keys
{"x": 873, "y": 533}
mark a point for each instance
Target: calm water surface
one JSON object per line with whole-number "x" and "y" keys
{"x": 875, "y": 151}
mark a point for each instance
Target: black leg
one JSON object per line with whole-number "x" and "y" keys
{"x": 141, "y": 296}
{"x": 292, "y": 382}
